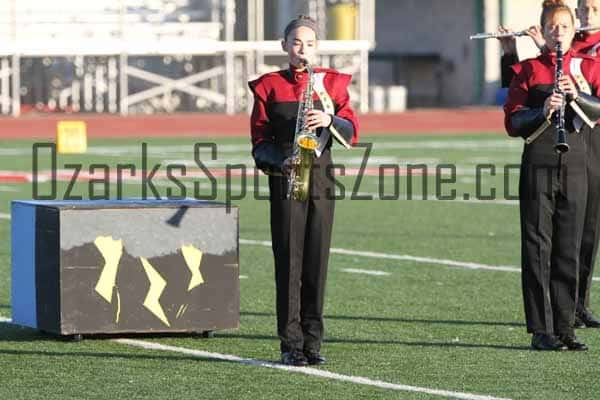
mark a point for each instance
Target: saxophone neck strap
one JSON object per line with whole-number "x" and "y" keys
{"x": 329, "y": 108}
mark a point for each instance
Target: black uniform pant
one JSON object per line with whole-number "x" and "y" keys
{"x": 552, "y": 192}
{"x": 591, "y": 226}
{"x": 301, "y": 238}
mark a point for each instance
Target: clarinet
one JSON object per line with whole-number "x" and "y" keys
{"x": 561, "y": 139}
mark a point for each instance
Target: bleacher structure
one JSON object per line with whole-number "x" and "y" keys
{"x": 153, "y": 56}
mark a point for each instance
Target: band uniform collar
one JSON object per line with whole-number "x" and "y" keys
{"x": 549, "y": 56}
{"x": 297, "y": 76}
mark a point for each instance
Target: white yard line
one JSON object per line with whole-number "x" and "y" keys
{"x": 188, "y": 149}
{"x": 458, "y": 199}
{"x": 264, "y": 191}
{"x": 320, "y": 373}
{"x": 388, "y": 256}
{"x": 365, "y": 271}
{"x": 403, "y": 257}
{"x": 450, "y": 144}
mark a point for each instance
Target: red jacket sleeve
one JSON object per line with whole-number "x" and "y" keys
{"x": 594, "y": 72}
{"x": 259, "y": 121}
{"x": 341, "y": 98}
{"x": 517, "y": 97}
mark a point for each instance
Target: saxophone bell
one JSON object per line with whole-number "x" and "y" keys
{"x": 308, "y": 141}
{"x": 301, "y": 166}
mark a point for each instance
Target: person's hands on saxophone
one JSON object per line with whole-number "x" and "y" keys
{"x": 317, "y": 119}
{"x": 286, "y": 166}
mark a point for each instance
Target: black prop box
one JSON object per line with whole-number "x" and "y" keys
{"x": 89, "y": 267}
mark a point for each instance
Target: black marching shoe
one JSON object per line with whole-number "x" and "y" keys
{"x": 578, "y": 324}
{"x": 586, "y": 318}
{"x": 546, "y": 342}
{"x": 315, "y": 358}
{"x": 573, "y": 343}
{"x": 295, "y": 358}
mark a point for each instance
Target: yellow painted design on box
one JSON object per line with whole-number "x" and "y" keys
{"x": 179, "y": 311}
{"x": 157, "y": 286}
{"x": 118, "y": 312}
{"x": 71, "y": 137}
{"x": 182, "y": 309}
{"x": 193, "y": 258}
{"x": 111, "y": 250}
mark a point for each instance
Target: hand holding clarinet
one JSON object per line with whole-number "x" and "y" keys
{"x": 564, "y": 89}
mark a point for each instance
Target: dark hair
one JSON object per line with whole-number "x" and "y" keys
{"x": 551, "y": 7}
{"x": 302, "y": 20}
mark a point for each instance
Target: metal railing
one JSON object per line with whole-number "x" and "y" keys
{"x": 118, "y": 60}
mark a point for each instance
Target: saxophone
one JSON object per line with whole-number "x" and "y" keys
{"x": 305, "y": 143}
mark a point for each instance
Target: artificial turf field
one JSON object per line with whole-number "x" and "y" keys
{"x": 423, "y": 292}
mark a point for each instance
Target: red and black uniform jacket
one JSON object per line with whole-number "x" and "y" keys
{"x": 533, "y": 82}
{"x": 584, "y": 42}
{"x": 273, "y": 119}
{"x": 506, "y": 72}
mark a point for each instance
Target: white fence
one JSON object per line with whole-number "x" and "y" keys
{"x": 121, "y": 60}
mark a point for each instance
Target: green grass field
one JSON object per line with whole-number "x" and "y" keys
{"x": 424, "y": 323}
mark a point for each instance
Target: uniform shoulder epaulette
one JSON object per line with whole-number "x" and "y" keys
{"x": 330, "y": 71}
{"x": 529, "y": 61}
{"x": 261, "y": 85}
{"x": 518, "y": 67}
{"x": 527, "y": 64}
{"x": 267, "y": 76}
{"x": 341, "y": 79}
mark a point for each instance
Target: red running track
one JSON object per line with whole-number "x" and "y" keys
{"x": 431, "y": 121}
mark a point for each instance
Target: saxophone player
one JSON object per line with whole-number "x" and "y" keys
{"x": 300, "y": 230}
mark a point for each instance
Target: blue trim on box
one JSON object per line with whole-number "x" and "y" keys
{"x": 23, "y": 291}
{"x": 123, "y": 203}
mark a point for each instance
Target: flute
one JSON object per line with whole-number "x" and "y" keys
{"x": 496, "y": 35}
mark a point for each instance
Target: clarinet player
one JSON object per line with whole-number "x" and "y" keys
{"x": 552, "y": 186}
{"x": 300, "y": 230}
{"x": 588, "y": 42}
{"x": 588, "y": 12}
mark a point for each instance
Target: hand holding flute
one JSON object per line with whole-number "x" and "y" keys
{"x": 500, "y": 34}
{"x": 507, "y": 37}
